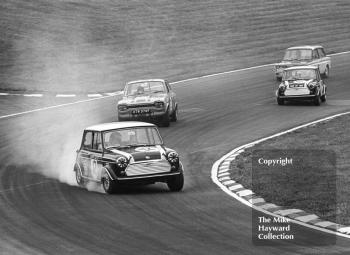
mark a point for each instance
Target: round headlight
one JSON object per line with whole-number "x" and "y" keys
{"x": 122, "y": 162}
{"x": 173, "y": 157}
{"x": 122, "y": 107}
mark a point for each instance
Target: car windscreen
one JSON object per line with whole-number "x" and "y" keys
{"x": 298, "y": 54}
{"x": 140, "y": 88}
{"x": 136, "y": 136}
{"x": 301, "y": 74}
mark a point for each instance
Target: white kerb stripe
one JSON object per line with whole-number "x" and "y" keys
{"x": 94, "y": 95}
{"x": 245, "y": 192}
{"x": 307, "y": 218}
{"x": 33, "y": 95}
{"x": 66, "y": 95}
{"x": 288, "y": 211}
{"x": 324, "y": 224}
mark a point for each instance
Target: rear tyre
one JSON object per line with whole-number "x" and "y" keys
{"x": 108, "y": 185}
{"x": 79, "y": 178}
{"x": 176, "y": 182}
{"x": 174, "y": 115}
{"x": 166, "y": 120}
{"x": 280, "y": 101}
{"x": 324, "y": 98}
{"x": 326, "y": 72}
{"x": 317, "y": 100}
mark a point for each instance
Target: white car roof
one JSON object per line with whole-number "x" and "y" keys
{"x": 309, "y": 47}
{"x": 301, "y": 68}
{"x": 137, "y": 81}
{"x": 118, "y": 125}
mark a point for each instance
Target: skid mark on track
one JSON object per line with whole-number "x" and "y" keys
{"x": 24, "y": 187}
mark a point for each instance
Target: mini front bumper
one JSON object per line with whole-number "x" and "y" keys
{"x": 297, "y": 97}
{"x": 146, "y": 179}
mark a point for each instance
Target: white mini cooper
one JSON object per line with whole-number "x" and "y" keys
{"x": 301, "y": 83}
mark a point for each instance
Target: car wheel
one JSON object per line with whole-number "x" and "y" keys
{"x": 174, "y": 115}
{"x": 326, "y": 72}
{"x": 324, "y": 98}
{"x": 79, "y": 178}
{"x": 108, "y": 185}
{"x": 317, "y": 100}
{"x": 166, "y": 119}
{"x": 280, "y": 101}
{"x": 176, "y": 182}
{"x": 121, "y": 119}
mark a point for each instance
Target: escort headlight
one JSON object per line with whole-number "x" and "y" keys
{"x": 311, "y": 85}
{"x": 121, "y": 162}
{"x": 159, "y": 104}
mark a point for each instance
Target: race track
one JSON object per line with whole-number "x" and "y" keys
{"x": 42, "y": 215}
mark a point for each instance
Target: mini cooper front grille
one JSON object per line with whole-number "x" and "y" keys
{"x": 150, "y": 167}
{"x": 140, "y": 106}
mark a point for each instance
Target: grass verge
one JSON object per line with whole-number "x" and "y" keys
{"x": 87, "y": 46}
{"x": 313, "y": 189}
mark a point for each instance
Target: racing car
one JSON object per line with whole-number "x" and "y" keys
{"x": 126, "y": 153}
{"x": 304, "y": 55}
{"x": 148, "y": 100}
{"x": 301, "y": 83}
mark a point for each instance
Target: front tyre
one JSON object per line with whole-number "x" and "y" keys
{"x": 176, "y": 182}
{"x": 166, "y": 119}
{"x": 280, "y": 101}
{"x": 108, "y": 185}
{"x": 174, "y": 115}
{"x": 317, "y": 100}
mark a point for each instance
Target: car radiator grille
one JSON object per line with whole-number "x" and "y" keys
{"x": 151, "y": 167}
{"x": 140, "y": 106}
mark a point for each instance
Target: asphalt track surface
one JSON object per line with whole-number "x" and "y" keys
{"x": 41, "y": 215}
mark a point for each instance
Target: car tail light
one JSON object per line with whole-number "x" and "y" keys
{"x": 159, "y": 104}
{"x": 122, "y": 107}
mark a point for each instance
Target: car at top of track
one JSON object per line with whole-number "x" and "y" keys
{"x": 301, "y": 83}
{"x": 148, "y": 100}
{"x": 124, "y": 153}
{"x": 304, "y": 55}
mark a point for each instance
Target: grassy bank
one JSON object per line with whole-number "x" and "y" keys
{"x": 98, "y": 45}
{"x": 308, "y": 188}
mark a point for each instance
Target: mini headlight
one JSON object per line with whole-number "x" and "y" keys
{"x": 122, "y": 107}
{"x": 282, "y": 87}
{"x": 122, "y": 162}
{"x": 159, "y": 104}
{"x": 173, "y": 157}
{"x": 311, "y": 85}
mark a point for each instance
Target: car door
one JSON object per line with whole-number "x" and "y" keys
{"x": 320, "y": 81}
{"x": 315, "y": 58}
{"x": 172, "y": 96}
{"x": 85, "y": 153}
{"x": 323, "y": 60}
{"x": 96, "y": 157}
